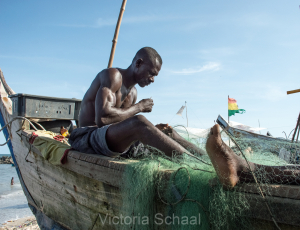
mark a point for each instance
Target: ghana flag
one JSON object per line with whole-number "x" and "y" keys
{"x": 233, "y": 107}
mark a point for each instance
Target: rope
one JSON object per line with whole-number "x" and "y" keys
{"x": 22, "y": 118}
{"x": 290, "y": 133}
{"x": 178, "y": 195}
{"x": 184, "y": 195}
{"x": 191, "y": 155}
{"x": 196, "y": 168}
{"x": 285, "y": 135}
{"x": 184, "y": 128}
{"x": 39, "y": 125}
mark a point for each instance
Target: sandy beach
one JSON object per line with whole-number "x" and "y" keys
{"x": 26, "y": 223}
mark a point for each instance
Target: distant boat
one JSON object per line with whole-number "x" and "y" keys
{"x": 284, "y": 150}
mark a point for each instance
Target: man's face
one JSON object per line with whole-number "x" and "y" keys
{"x": 145, "y": 72}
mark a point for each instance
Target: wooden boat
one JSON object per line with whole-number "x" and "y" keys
{"x": 77, "y": 194}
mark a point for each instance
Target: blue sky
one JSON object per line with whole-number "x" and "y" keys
{"x": 210, "y": 49}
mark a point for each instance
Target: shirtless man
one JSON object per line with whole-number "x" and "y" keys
{"x": 109, "y": 125}
{"x": 108, "y": 120}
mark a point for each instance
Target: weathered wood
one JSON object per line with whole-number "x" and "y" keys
{"x": 105, "y": 169}
{"x": 66, "y": 196}
{"x": 259, "y": 224}
{"x": 90, "y": 193}
{"x": 8, "y": 90}
{"x": 285, "y": 210}
{"x": 285, "y": 191}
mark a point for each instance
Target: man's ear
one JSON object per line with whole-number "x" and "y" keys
{"x": 139, "y": 62}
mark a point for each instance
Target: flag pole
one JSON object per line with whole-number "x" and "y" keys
{"x": 228, "y": 119}
{"x": 187, "y": 121}
{"x": 115, "y": 40}
{"x": 296, "y": 128}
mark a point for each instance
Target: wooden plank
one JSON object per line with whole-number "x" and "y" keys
{"x": 91, "y": 193}
{"x": 106, "y": 171}
{"x": 65, "y": 208}
{"x": 285, "y": 191}
{"x": 259, "y": 224}
{"x": 285, "y": 210}
{"x": 105, "y": 161}
{"x": 65, "y": 196}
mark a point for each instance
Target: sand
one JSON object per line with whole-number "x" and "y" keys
{"x": 26, "y": 223}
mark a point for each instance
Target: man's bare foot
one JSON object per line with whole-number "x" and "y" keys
{"x": 226, "y": 163}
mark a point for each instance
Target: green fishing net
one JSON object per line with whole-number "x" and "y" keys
{"x": 184, "y": 192}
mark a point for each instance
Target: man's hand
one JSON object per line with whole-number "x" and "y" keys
{"x": 146, "y": 105}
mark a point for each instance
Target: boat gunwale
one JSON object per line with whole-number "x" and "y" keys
{"x": 220, "y": 120}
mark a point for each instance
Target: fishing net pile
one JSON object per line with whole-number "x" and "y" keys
{"x": 184, "y": 192}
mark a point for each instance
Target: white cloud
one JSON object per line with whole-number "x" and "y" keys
{"x": 101, "y": 22}
{"x": 219, "y": 52}
{"x": 274, "y": 93}
{"x": 138, "y": 19}
{"x": 104, "y": 22}
{"x": 211, "y": 66}
{"x": 256, "y": 20}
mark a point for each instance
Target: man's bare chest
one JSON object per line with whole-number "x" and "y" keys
{"x": 124, "y": 98}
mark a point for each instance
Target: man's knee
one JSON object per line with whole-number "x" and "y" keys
{"x": 140, "y": 120}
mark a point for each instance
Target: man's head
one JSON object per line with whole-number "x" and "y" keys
{"x": 146, "y": 65}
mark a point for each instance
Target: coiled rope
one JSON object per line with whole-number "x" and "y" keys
{"x": 20, "y": 118}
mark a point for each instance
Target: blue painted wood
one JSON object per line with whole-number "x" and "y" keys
{"x": 44, "y": 221}
{"x": 10, "y": 147}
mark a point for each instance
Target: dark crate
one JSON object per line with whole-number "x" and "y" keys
{"x": 33, "y": 106}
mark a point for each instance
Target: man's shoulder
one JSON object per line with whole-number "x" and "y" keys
{"x": 110, "y": 76}
{"x": 112, "y": 73}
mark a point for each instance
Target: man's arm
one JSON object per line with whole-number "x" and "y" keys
{"x": 105, "y": 110}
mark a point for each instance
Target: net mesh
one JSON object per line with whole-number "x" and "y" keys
{"x": 184, "y": 193}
